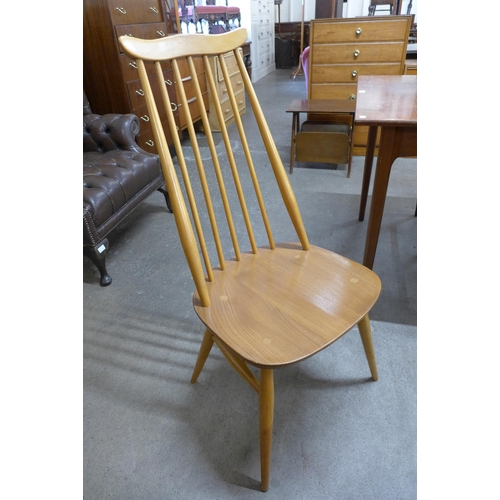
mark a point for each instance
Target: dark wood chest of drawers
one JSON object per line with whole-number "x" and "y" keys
{"x": 111, "y": 79}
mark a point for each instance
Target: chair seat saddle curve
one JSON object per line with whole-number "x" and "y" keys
{"x": 272, "y": 304}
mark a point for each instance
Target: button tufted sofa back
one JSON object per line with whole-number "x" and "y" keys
{"x": 109, "y": 132}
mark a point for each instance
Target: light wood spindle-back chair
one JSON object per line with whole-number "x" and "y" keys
{"x": 273, "y": 305}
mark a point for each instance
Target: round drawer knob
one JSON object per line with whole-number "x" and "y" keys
{"x": 352, "y": 97}
{"x": 173, "y": 106}
{"x": 356, "y": 53}
{"x": 354, "y": 73}
{"x": 168, "y": 82}
{"x": 359, "y": 31}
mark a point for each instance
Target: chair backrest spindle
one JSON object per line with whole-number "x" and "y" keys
{"x": 185, "y": 48}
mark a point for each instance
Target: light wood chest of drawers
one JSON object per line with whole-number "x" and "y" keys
{"x": 222, "y": 96}
{"x": 342, "y": 49}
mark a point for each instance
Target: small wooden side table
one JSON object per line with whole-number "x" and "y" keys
{"x": 323, "y": 139}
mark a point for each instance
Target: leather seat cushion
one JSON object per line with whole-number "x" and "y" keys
{"x": 112, "y": 179}
{"x": 211, "y": 9}
{"x": 319, "y": 126}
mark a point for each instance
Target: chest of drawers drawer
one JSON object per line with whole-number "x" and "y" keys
{"x": 135, "y": 12}
{"x": 359, "y": 52}
{"x": 146, "y": 138}
{"x": 328, "y": 91}
{"x": 349, "y": 73}
{"x": 149, "y": 31}
{"x": 227, "y": 109}
{"x": 222, "y": 95}
{"x": 194, "y": 109}
{"x": 231, "y": 65}
{"x": 361, "y": 30}
{"x": 236, "y": 84}
{"x": 137, "y": 95}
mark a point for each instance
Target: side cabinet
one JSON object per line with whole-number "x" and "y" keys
{"x": 236, "y": 83}
{"x": 343, "y": 49}
{"x": 263, "y": 59}
{"x": 111, "y": 79}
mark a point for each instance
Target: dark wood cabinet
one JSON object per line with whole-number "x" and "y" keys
{"x": 111, "y": 79}
{"x": 327, "y": 9}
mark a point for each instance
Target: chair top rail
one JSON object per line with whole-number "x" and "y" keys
{"x": 175, "y": 46}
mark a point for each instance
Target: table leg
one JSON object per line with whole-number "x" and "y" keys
{"x": 394, "y": 142}
{"x": 367, "y": 172}
{"x": 292, "y": 146}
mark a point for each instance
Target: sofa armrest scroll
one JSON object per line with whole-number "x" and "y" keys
{"x": 108, "y": 132}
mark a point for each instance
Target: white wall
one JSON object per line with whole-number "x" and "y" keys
{"x": 355, "y": 8}
{"x": 291, "y": 10}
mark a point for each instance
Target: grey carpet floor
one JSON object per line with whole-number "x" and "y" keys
{"x": 150, "y": 434}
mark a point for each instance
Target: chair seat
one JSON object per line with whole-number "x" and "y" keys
{"x": 283, "y": 305}
{"x": 211, "y": 9}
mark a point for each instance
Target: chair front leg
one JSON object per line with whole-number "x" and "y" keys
{"x": 266, "y": 415}
{"x": 365, "y": 331}
{"x": 205, "y": 348}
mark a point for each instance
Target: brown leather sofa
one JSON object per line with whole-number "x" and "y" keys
{"x": 117, "y": 176}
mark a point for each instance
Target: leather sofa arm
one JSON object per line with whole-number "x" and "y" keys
{"x": 109, "y": 132}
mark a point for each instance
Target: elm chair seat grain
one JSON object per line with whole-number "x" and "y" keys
{"x": 272, "y": 304}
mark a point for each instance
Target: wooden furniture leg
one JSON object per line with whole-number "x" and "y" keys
{"x": 365, "y": 332}
{"x": 395, "y": 142}
{"x": 350, "y": 154}
{"x": 295, "y": 119}
{"x": 367, "y": 172}
{"x": 386, "y": 157}
{"x": 205, "y": 348}
{"x": 266, "y": 415}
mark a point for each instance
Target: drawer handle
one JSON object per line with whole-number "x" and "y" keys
{"x": 133, "y": 65}
{"x": 356, "y": 53}
{"x": 145, "y": 118}
{"x": 173, "y": 106}
{"x": 154, "y": 9}
{"x": 121, "y": 10}
{"x": 227, "y": 111}
{"x": 150, "y": 143}
{"x": 238, "y": 82}
{"x": 359, "y": 31}
{"x": 224, "y": 91}
{"x": 354, "y": 73}
{"x": 160, "y": 33}
{"x": 168, "y": 82}
{"x": 352, "y": 97}
{"x": 140, "y": 92}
